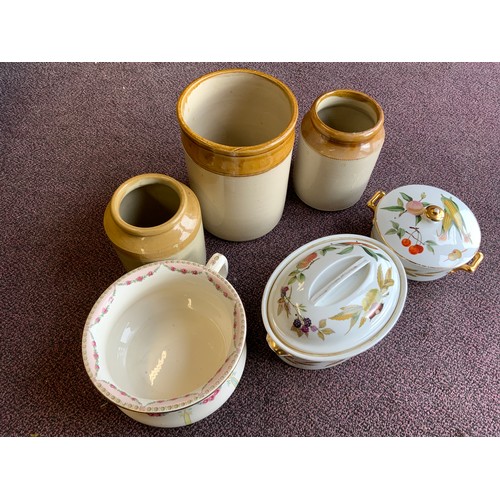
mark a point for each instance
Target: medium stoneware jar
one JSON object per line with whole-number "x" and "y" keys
{"x": 432, "y": 231}
{"x": 340, "y": 141}
{"x": 332, "y": 299}
{"x": 152, "y": 217}
{"x": 238, "y": 131}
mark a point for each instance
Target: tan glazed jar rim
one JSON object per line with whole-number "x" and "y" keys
{"x": 143, "y": 180}
{"x": 238, "y": 151}
{"x": 339, "y": 135}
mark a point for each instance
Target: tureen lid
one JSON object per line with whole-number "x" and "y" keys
{"x": 335, "y": 296}
{"x": 427, "y": 226}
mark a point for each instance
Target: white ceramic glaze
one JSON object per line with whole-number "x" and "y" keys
{"x": 432, "y": 231}
{"x": 238, "y": 131}
{"x": 332, "y": 299}
{"x": 340, "y": 141}
{"x": 165, "y": 337}
{"x": 198, "y": 411}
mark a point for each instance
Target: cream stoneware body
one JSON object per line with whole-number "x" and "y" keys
{"x": 332, "y": 299}
{"x": 238, "y": 131}
{"x": 340, "y": 141}
{"x": 166, "y": 342}
{"x": 432, "y": 231}
{"x": 152, "y": 217}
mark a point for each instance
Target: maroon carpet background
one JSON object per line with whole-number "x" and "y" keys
{"x": 71, "y": 133}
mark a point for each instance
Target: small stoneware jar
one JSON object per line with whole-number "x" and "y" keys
{"x": 340, "y": 140}
{"x": 432, "y": 231}
{"x": 238, "y": 131}
{"x": 153, "y": 217}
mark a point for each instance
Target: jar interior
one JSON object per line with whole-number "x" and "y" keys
{"x": 238, "y": 109}
{"x": 149, "y": 205}
{"x": 347, "y": 114}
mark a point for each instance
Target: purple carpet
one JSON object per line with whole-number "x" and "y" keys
{"x": 71, "y": 133}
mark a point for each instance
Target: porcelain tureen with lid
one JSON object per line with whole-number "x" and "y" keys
{"x": 432, "y": 231}
{"x": 332, "y": 299}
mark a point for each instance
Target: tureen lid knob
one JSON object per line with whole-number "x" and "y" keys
{"x": 434, "y": 213}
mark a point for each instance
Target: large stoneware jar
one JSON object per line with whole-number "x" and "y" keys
{"x": 153, "y": 217}
{"x": 238, "y": 131}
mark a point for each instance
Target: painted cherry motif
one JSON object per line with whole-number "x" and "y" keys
{"x": 411, "y": 238}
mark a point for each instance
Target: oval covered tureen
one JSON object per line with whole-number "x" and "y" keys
{"x": 432, "y": 231}
{"x": 332, "y": 299}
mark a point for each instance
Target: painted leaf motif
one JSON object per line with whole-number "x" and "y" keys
{"x": 394, "y": 208}
{"x": 327, "y": 331}
{"x": 347, "y": 250}
{"x": 347, "y": 312}
{"x": 406, "y": 197}
{"x": 382, "y": 257}
{"x": 380, "y": 277}
{"x": 388, "y": 274}
{"x": 362, "y": 322}
{"x": 400, "y": 202}
{"x": 387, "y": 284}
{"x": 429, "y": 244}
{"x": 354, "y": 320}
{"x": 329, "y": 248}
{"x": 320, "y": 335}
{"x": 395, "y": 225}
{"x": 370, "y": 298}
{"x": 322, "y": 323}
{"x": 391, "y": 231}
{"x": 371, "y": 253}
{"x": 418, "y": 218}
{"x": 281, "y": 306}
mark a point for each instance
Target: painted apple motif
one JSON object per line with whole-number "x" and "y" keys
{"x": 415, "y": 207}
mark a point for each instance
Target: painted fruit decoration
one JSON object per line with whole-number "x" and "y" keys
{"x": 410, "y": 237}
{"x": 357, "y": 314}
{"x": 452, "y": 219}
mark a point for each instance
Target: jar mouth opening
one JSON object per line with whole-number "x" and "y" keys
{"x": 237, "y": 112}
{"x": 147, "y": 204}
{"x": 347, "y": 115}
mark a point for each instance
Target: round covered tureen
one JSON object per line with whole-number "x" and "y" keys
{"x": 431, "y": 231}
{"x": 332, "y": 299}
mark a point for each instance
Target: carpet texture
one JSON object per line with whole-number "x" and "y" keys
{"x": 70, "y": 134}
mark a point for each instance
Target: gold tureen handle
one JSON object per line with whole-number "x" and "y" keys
{"x": 372, "y": 202}
{"x": 275, "y": 348}
{"x": 472, "y": 265}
